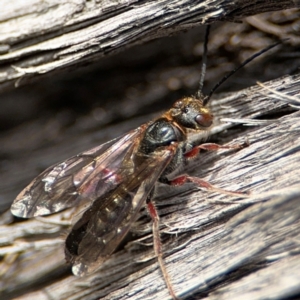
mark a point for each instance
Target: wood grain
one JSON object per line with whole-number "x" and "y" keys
{"x": 216, "y": 246}
{"x": 43, "y": 37}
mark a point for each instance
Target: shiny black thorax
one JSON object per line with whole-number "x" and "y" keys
{"x": 163, "y": 133}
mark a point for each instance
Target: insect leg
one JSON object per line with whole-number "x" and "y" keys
{"x": 158, "y": 247}
{"x": 202, "y": 183}
{"x": 212, "y": 147}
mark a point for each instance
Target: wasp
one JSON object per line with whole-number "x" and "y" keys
{"x": 109, "y": 184}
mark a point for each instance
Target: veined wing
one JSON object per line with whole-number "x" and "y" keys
{"x": 103, "y": 226}
{"x": 83, "y": 177}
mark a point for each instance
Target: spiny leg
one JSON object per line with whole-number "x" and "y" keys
{"x": 158, "y": 247}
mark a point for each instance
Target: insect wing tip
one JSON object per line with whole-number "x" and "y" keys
{"x": 79, "y": 269}
{"x": 23, "y": 207}
{"x": 18, "y": 209}
{"x": 20, "y": 206}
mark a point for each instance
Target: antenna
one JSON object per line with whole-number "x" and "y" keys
{"x": 207, "y": 98}
{"x": 199, "y": 93}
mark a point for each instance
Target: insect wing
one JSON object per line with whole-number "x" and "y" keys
{"x": 102, "y": 227}
{"x": 58, "y": 187}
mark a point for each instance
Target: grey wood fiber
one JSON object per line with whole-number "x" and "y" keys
{"x": 216, "y": 246}
{"x": 39, "y": 37}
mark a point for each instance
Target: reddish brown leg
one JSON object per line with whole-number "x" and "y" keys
{"x": 202, "y": 183}
{"x": 212, "y": 147}
{"x": 158, "y": 248}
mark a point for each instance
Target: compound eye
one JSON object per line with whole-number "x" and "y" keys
{"x": 204, "y": 120}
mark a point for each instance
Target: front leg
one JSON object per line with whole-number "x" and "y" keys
{"x": 212, "y": 147}
{"x": 180, "y": 180}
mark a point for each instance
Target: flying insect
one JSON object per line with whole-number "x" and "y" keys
{"x": 109, "y": 184}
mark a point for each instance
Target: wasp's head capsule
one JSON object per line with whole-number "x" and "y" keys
{"x": 190, "y": 113}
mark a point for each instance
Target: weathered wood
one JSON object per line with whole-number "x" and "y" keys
{"x": 215, "y": 246}
{"x": 39, "y": 37}
{"x": 201, "y": 238}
